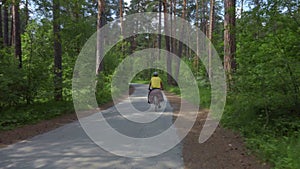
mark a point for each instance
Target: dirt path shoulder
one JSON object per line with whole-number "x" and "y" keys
{"x": 224, "y": 150}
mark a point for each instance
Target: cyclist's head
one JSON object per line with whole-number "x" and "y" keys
{"x": 155, "y": 74}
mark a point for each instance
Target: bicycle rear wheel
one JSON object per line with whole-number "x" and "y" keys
{"x": 155, "y": 101}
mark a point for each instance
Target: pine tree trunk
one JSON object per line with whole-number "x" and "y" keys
{"x": 174, "y": 44}
{"x": 159, "y": 27}
{"x": 229, "y": 38}
{"x": 210, "y": 36}
{"x": 121, "y": 24}
{"x": 242, "y": 7}
{"x": 196, "y": 59}
{"x": 57, "y": 52}
{"x": 26, "y": 14}
{"x": 100, "y": 38}
{"x": 168, "y": 45}
{"x": 1, "y": 30}
{"x": 203, "y": 18}
{"x": 180, "y": 48}
{"x": 17, "y": 32}
{"x": 12, "y": 33}
{"x": 121, "y": 16}
{"x": 5, "y": 24}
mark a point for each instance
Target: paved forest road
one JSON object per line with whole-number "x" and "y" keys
{"x": 69, "y": 146}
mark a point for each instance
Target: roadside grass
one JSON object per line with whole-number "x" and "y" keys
{"x": 13, "y": 117}
{"x": 278, "y": 143}
{"x": 281, "y": 152}
{"x": 274, "y": 140}
{"x": 173, "y": 89}
{"x": 204, "y": 91}
{"x": 26, "y": 114}
{"x": 140, "y": 81}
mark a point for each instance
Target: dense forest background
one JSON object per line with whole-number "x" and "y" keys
{"x": 258, "y": 41}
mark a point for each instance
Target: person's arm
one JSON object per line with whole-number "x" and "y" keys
{"x": 161, "y": 85}
{"x": 149, "y": 85}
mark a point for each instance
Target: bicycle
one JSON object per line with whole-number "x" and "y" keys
{"x": 156, "y": 103}
{"x": 156, "y": 99}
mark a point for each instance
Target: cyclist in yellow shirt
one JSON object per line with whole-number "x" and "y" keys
{"x": 155, "y": 83}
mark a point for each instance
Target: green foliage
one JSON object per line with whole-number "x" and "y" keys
{"x": 13, "y": 117}
{"x": 26, "y": 95}
{"x": 103, "y": 92}
{"x": 279, "y": 151}
{"x": 173, "y": 89}
{"x": 204, "y": 91}
{"x": 205, "y": 96}
{"x": 14, "y": 84}
{"x": 273, "y": 140}
{"x": 140, "y": 81}
{"x": 263, "y": 103}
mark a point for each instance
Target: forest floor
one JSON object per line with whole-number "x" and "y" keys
{"x": 224, "y": 150}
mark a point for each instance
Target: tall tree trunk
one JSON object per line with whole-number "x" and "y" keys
{"x": 26, "y": 10}
{"x": 229, "y": 38}
{"x": 100, "y": 38}
{"x": 210, "y": 36}
{"x": 174, "y": 44}
{"x": 77, "y": 13}
{"x": 57, "y": 52}
{"x": 180, "y": 48}
{"x": 196, "y": 59}
{"x": 121, "y": 24}
{"x": 17, "y": 31}
{"x": 1, "y": 30}
{"x": 168, "y": 45}
{"x": 242, "y": 7}
{"x": 121, "y": 15}
{"x": 12, "y": 33}
{"x": 159, "y": 28}
{"x": 258, "y": 20}
{"x": 5, "y": 24}
{"x": 203, "y": 17}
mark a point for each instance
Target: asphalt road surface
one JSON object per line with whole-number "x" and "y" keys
{"x": 70, "y": 147}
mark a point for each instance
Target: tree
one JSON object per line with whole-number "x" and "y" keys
{"x": 100, "y": 23}
{"x": 121, "y": 23}
{"x": 229, "y": 37}
{"x": 16, "y": 31}
{"x": 173, "y": 41}
{"x": 180, "y": 47}
{"x": 121, "y": 16}
{"x": 242, "y": 7}
{"x": 57, "y": 52}
{"x": 210, "y": 35}
{"x": 159, "y": 27}
{"x": 1, "y": 30}
{"x": 168, "y": 44}
{"x": 5, "y": 23}
{"x": 12, "y": 33}
{"x": 203, "y": 24}
{"x": 196, "y": 59}
{"x": 26, "y": 13}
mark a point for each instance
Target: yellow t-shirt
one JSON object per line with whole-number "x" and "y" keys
{"x": 155, "y": 82}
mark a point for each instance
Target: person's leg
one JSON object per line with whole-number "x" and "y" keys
{"x": 161, "y": 98}
{"x": 149, "y": 96}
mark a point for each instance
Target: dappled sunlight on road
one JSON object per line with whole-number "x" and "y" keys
{"x": 70, "y": 147}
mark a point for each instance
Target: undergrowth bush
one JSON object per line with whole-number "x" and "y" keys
{"x": 13, "y": 117}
